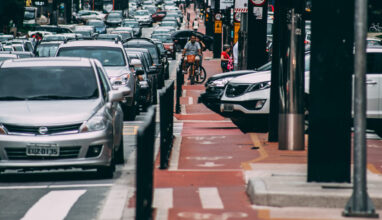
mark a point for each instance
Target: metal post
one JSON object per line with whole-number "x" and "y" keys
{"x": 243, "y": 41}
{"x": 291, "y": 119}
{"x": 360, "y": 205}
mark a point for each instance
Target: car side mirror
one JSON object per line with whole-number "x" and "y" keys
{"x": 118, "y": 94}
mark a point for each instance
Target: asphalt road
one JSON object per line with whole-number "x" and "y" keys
{"x": 72, "y": 194}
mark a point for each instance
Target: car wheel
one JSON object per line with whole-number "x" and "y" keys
{"x": 119, "y": 154}
{"x": 107, "y": 172}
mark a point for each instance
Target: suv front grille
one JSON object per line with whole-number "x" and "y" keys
{"x": 34, "y": 130}
{"x": 234, "y": 90}
{"x": 20, "y": 154}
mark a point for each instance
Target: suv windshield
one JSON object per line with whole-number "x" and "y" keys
{"x": 163, "y": 38}
{"x": 107, "y": 56}
{"x": 41, "y": 83}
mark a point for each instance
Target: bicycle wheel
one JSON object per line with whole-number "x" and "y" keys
{"x": 201, "y": 76}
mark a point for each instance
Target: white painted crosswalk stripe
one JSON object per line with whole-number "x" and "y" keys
{"x": 163, "y": 198}
{"x": 53, "y": 206}
{"x": 210, "y": 199}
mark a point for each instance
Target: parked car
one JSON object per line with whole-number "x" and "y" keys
{"x": 246, "y": 98}
{"x": 163, "y": 54}
{"x": 49, "y": 133}
{"x": 114, "y": 19}
{"x": 168, "y": 43}
{"x": 215, "y": 86}
{"x": 131, "y": 23}
{"x": 113, "y": 57}
{"x": 143, "y": 17}
{"x": 182, "y": 36}
{"x": 99, "y": 25}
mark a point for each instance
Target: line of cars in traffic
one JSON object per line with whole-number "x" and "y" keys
{"x": 244, "y": 96}
{"x": 64, "y": 107}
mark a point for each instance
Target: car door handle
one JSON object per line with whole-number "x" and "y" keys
{"x": 371, "y": 82}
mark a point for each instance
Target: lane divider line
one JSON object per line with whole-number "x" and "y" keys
{"x": 55, "y": 205}
{"x": 263, "y": 154}
{"x": 210, "y": 199}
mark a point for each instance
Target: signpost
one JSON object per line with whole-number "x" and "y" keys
{"x": 218, "y": 27}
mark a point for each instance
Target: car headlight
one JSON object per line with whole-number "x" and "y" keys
{"x": 95, "y": 123}
{"x": 259, "y": 86}
{"x": 3, "y": 130}
{"x": 120, "y": 80}
{"x": 221, "y": 82}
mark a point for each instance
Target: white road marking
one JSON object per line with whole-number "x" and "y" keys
{"x": 210, "y": 199}
{"x": 56, "y": 186}
{"x": 161, "y": 214}
{"x": 163, "y": 198}
{"x": 190, "y": 100}
{"x": 210, "y": 158}
{"x": 210, "y": 164}
{"x": 175, "y": 155}
{"x": 53, "y": 206}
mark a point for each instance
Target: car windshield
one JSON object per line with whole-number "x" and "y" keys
{"x": 151, "y": 47}
{"x": 125, "y": 35}
{"x": 131, "y": 24}
{"x": 28, "y": 15}
{"x": 141, "y": 13}
{"x": 163, "y": 38}
{"x": 41, "y": 83}
{"x": 107, "y": 56}
{"x": 96, "y": 23}
{"x": 84, "y": 33}
{"x": 46, "y": 50}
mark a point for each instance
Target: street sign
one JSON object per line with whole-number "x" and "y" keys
{"x": 258, "y": 2}
{"x": 218, "y": 16}
{"x": 237, "y": 16}
{"x": 236, "y": 28}
{"x": 218, "y": 27}
{"x": 241, "y": 6}
{"x": 224, "y": 4}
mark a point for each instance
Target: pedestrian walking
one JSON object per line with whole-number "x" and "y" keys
{"x": 224, "y": 58}
{"x": 195, "y": 25}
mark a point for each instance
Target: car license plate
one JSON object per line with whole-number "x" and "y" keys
{"x": 46, "y": 150}
{"x": 228, "y": 107}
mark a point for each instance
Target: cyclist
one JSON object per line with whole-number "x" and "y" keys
{"x": 192, "y": 48}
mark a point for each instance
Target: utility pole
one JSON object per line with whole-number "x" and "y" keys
{"x": 257, "y": 33}
{"x": 279, "y": 44}
{"x": 218, "y": 29}
{"x": 329, "y": 151}
{"x": 360, "y": 204}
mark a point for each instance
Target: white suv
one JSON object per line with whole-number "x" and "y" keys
{"x": 247, "y": 98}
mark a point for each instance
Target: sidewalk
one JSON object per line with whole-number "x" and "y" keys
{"x": 212, "y": 163}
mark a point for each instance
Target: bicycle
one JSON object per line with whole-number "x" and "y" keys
{"x": 375, "y": 27}
{"x": 197, "y": 75}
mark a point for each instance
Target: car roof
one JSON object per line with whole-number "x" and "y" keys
{"x": 138, "y": 41}
{"x": 8, "y": 55}
{"x": 92, "y": 43}
{"x": 48, "y": 62}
